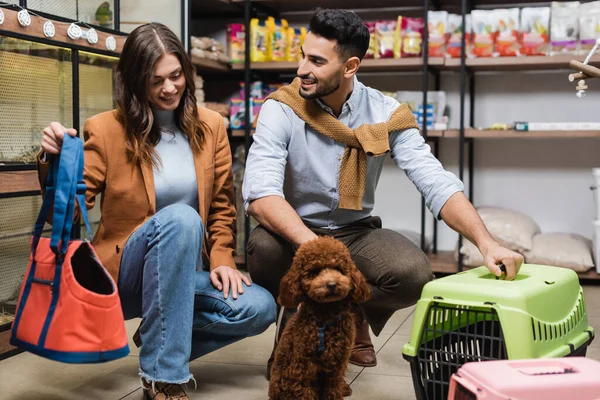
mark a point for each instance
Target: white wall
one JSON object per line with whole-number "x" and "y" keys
{"x": 137, "y": 12}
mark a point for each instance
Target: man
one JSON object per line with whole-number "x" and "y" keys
{"x": 312, "y": 171}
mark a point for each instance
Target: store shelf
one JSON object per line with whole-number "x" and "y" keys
{"x": 205, "y": 9}
{"x": 240, "y": 260}
{"x": 415, "y": 64}
{"x": 591, "y": 275}
{"x": 18, "y": 181}
{"x": 368, "y": 65}
{"x": 240, "y": 132}
{"x": 202, "y": 8}
{"x": 6, "y": 349}
{"x": 519, "y": 63}
{"x": 491, "y": 134}
{"x": 512, "y": 134}
{"x": 283, "y": 6}
{"x": 269, "y": 66}
{"x": 438, "y": 134}
{"x": 443, "y": 262}
{"x": 398, "y": 64}
{"x": 211, "y": 66}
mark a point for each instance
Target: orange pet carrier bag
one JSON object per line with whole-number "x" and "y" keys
{"x": 69, "y": 308}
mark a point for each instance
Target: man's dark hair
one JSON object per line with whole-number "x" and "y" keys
{"x": 345, "y": 27}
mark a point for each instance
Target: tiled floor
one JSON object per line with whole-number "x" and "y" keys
{"x": 235, "y": 372}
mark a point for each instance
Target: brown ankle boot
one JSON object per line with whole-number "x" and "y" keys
{"x": 163, "y": 391}
{"x": 283, "y": 317}
{"x": 363, "y": 353}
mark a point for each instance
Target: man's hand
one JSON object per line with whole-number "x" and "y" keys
{"x": 461, "y": 216}
{"x": 224, "y": 278}
{"x": 278, "y": 216}
{"x": 495, "y": 255}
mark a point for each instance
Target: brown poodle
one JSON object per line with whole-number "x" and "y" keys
{"x": 312, "y": 355}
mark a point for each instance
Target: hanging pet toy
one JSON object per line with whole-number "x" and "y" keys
{"x": 585, "y": 71}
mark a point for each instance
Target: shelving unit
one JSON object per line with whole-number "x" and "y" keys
{"x": 204, "y": 65}
{"x": 241, "y": 133}
{"x": 43, "y": 79}
{"x": 214, "y": 9}
{"x": 467, "y": 135}
{"x": 368, "y": 65}
{"x": 512, "y": 134}
{"x": 496, "y": 64}
{"x": 467, "y": 68}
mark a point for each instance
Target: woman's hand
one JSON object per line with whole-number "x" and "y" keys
{"x": 224, "y": 277}
{"x": 52, "y": 137}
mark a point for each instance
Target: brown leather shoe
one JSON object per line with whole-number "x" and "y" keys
{"x": 163, "y": 391}
{"x": 363, "y": 353}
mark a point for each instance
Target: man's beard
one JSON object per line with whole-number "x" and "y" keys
{"x": 322, "y": 90}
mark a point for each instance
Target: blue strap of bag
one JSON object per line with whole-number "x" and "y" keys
{"x": 64, "y": 184}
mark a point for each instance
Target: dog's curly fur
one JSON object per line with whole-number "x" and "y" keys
{"x": 324, "y": 281}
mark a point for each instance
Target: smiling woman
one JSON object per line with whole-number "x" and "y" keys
{"x": 155, "y": 73}
{"x": 163, "y": 168}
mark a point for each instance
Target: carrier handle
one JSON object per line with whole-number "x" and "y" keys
{"x": 64, "y": 185}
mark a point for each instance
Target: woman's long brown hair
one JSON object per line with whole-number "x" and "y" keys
{"x": 143, "y": 47}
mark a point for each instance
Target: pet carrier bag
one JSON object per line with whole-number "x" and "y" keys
{"x": 68, "y": 309}
{"x": 548, "y": 379}
{"x": 472, "y": 316}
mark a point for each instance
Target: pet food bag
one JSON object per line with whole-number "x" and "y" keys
{"x": 238, "y": 113}
{"x": 564, "y": 27}
{"x": 507, "y": 38}
{"x": 398, "y": 38}
{"x": 278, "y": 30}
{"x": 484, "y": 32}
{"x": 384, "y": 31}
{"x": 437, "y": 29}
{"x": 372, "y": 50}
{"x": 259, "y": 40}
{"x": 589, "y": 24}
{"x": 453, "y": 48}
{"x": 412, "y": 37}
{"x": 236, "y": 42}
{"x": 534, "y": 36}
{"x": 292, "y": 51}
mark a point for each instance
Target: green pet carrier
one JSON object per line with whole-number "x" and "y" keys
{"x": 472, "y": 316}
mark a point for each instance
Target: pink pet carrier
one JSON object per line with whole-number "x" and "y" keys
{"x": 570, "y": 378}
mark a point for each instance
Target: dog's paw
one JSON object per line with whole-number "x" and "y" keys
{"x": 347, "y": 390}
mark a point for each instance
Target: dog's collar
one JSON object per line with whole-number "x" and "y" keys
{"x": 321, "y": 332}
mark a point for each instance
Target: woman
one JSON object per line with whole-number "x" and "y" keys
{"x": 163, "y": 167}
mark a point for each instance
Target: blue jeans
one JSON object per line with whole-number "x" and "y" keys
{"x": 183, "y": 315}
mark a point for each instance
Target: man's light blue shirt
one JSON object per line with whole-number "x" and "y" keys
{"x": 290, "y": 159}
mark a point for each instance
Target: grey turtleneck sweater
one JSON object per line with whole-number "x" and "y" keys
{"x": 175, "y": 177}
